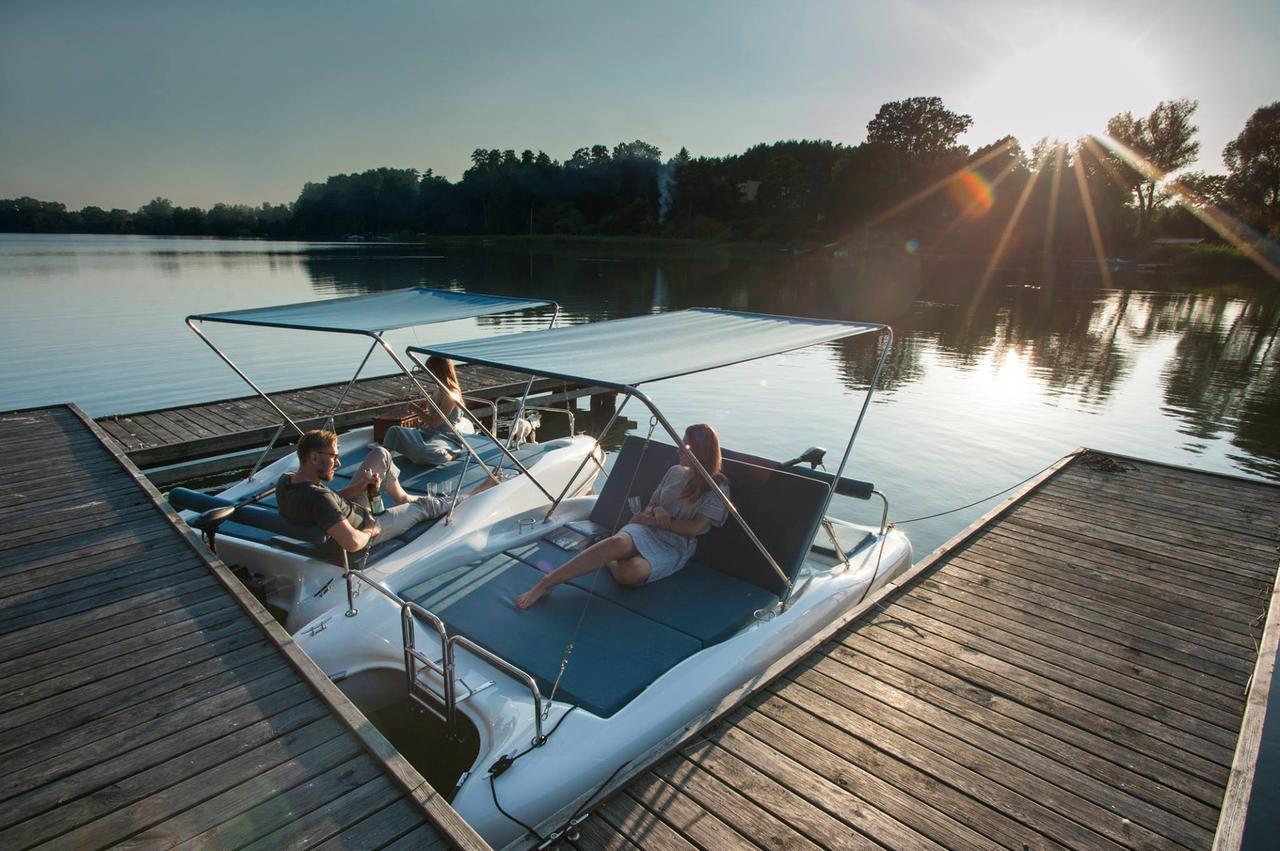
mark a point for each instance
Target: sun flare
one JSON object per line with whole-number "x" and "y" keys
{"x": 1067, "y": 85}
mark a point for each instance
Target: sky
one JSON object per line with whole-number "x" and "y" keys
{"x": 113, "y": 104}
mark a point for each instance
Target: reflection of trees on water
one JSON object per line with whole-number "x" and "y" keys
{"x": 1224, "y": 376}
{"x": 1079, "y": 339}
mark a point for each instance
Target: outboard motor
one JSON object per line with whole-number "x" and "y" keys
{"x": 812, "y": 456}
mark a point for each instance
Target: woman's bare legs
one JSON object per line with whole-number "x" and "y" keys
{"x": 631, "y": 569}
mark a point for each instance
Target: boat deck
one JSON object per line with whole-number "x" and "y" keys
{"x": 147, "y": 699}
{"x": 170, "y": 435}
{"x": 1075, "y": 669}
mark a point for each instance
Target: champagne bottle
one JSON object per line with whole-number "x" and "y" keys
{"x": 375, "y": 500}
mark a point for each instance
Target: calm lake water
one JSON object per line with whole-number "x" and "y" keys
{"x": 983, "y": 389}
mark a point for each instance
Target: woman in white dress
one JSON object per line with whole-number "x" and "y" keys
{"x": 658, "y": 541}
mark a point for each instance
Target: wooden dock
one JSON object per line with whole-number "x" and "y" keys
{"x": 170, "y": 435}
{"x": 1086, "y": 666}
{"x": 146, "y": 699}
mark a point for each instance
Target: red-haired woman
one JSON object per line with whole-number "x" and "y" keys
{"x": 658, "y": 541}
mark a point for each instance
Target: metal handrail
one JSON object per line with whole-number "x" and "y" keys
{"x": 520, "y": 409}
{"x": 446, "y": 669}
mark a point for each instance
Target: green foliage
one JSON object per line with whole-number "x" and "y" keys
{"x": 919, "y": 127}
{"x": 1164, "y": 140}
{"x": 1253, "y": 163}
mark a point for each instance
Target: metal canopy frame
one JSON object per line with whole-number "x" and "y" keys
{"x": 377, "y": 337}
{"x": 883, "y": 331}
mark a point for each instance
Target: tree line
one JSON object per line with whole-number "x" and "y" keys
{"x": 910, "y": 179}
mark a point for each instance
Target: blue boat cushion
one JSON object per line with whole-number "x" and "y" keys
{"x": 702, "y": 603}
{"x": 616, "y": 652}
{"x": 782, "y": 508}
{"x": 262, "y": 523}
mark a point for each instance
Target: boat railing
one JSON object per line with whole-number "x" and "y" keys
{"x": 491, "y": 404}
{"x": 521, "y": 409}
{"x": 415, "y": 660}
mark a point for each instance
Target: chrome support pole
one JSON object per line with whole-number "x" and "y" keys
{"x": 511, "y": 435}
{"x": 591, "y": 456}
{"x": 431, "y": 403}
{"x": 702, "y": 471}
{"x": 257, "y": 465}
{"x": 247, "y": 379}
{"x": 349, "y": 575}
{"x": 862, "y": 413}
{"x": 475, "y": 420}
{"x": 342, "y": 397}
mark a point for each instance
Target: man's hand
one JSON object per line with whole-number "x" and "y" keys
{"x": 372, "y": 528}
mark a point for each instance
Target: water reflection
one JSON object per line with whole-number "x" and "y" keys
{"x": 1153, "y": 362}
{"x": 1066, "y": 335}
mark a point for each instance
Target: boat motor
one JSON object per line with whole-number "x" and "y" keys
{"x": 812, "y": 456}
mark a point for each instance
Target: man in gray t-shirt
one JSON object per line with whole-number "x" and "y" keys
{"x": 306, "y": 500}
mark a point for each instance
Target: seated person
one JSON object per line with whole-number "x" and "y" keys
{"x": 433, "y": 442}
{"x": 305, "y": 500}
{"x": 658, "y": 541}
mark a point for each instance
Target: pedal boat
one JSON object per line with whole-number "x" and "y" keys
{"x": 297, "y": 570}
{"x": 548, "y": 710}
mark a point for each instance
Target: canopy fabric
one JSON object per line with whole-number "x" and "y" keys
{"x": 370, "y": 314}
{"x": 626, "y": 352}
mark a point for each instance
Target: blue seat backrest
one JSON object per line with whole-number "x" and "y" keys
{"x": 782, "y": 508}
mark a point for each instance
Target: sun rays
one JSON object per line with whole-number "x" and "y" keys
{"x": 1094, "y": 162}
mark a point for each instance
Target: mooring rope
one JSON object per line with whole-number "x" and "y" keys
{"x": 998, "y": 493}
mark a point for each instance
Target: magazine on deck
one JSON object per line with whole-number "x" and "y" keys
{"x": 572, "y": 538}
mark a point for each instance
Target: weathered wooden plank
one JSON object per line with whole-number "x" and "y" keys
{"x": 1130, "y": 673}
{"x": 820, "y": 757}
{"x": 730, "y": 804}
{"x": 1026, "y": 708}
{"x": 684, "y": 814}
{"x": 93, "y": 621}
{"x": 37, "y": 684}
{"x": 136, "y": 683}
{"x": 28, "y": 616}
{"x": 38, "y": 797}
{"x": 968, "y": 769}
{"x": 132, "y": 805}
{"x": 1242, "y": 519}
{"x": 1193, "y": 536}
{"x": 139, "y": 724}
{"x": 1060, "y": 701}
{"x": 152, "y": 740}
{"x": 795, "y": 810}
{"x": 309, "y": 830}
{"x": 376, "y": 829}
{"x": 642, "y": 827}
{"x": 423, "y": 838}
{"x": 118, "y": 686}
{"x": 1133, "y": 591}
{"x": 91, "y": 650}
{"x": 1217, "y": 659}
{"x": 1071, "y": 791}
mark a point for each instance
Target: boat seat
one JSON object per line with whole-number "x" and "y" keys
{"x": 703, "y": 603}
{"x": 617, "y": 653}
{"x": 783, "y": 508}
{"x": 263, "y": 524}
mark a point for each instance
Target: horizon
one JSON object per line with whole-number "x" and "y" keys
{"x": 115, "y": 105}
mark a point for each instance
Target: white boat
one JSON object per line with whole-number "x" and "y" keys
{"x": 297, "y": 570}
{"x": 547, "y": 710}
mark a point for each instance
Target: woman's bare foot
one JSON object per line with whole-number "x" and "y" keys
{"x": 528, "y": 598}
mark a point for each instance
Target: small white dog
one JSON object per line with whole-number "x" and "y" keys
{"x": 525, "y": 429}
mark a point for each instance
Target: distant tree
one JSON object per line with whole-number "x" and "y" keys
{"x": 599, "y": 154}
{"x": 155, "y": 217}
{"x": 636, "y": 150}
{"x": 1164, "y": 140}
{"x": 919, "y": 127}
{"x": 1253, "y": 163}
